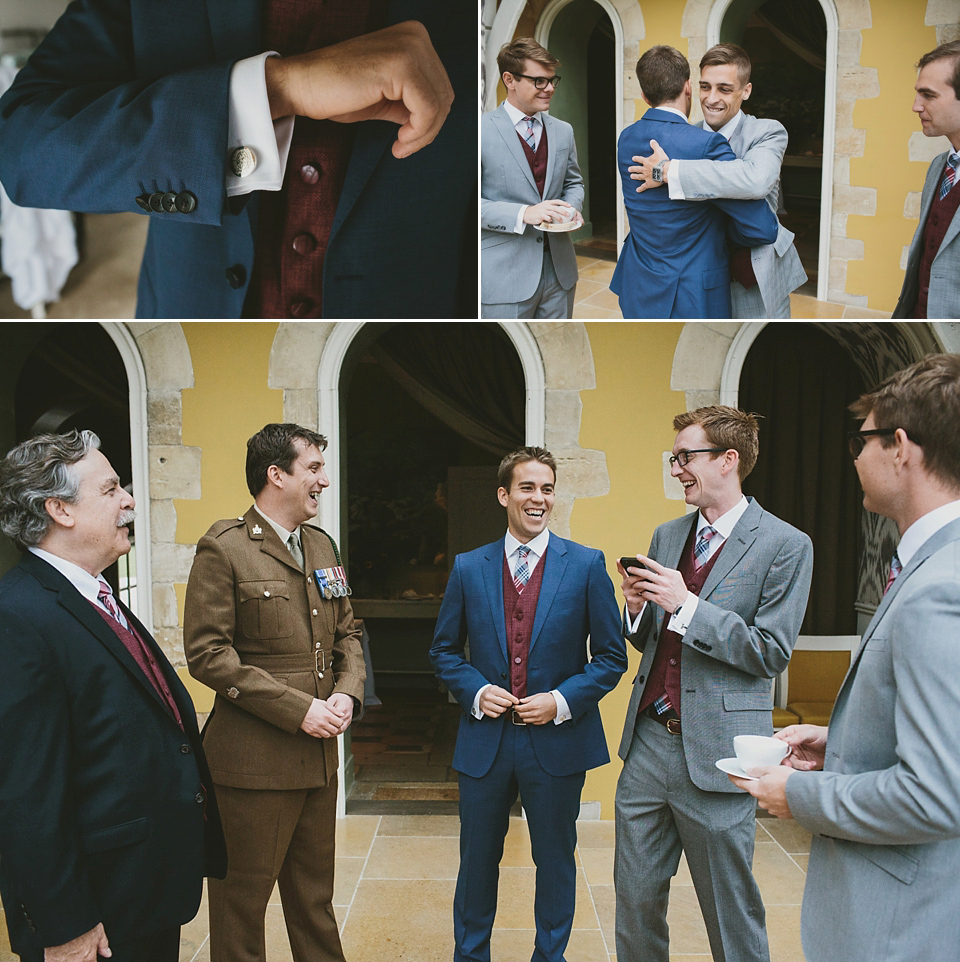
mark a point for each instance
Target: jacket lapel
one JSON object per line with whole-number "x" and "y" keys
{"x": 259, "y": 530}
{"x": 493, "y": 582}
{"x": 741, "y": 539}
{"x": 556, "y": 566}
{"x": 509, "y": 134}
{"x": 672, "y": 550}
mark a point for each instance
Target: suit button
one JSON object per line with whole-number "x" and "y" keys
{"x": 198, "y": 798}
{"x": 236, "y": 276}
{"x": 232, "y": 693}
{"x": 503, "y": 674}
{"x": 156, "y": 203}
{"x": 539, "y": 240}
{"x": 186, "y": 202}
{"x": 673, "y": 661}
{"x": 518, "y": 614}
{"x": 309, "y": 173}
{"x": 185, "y": 749}
{"x": 302, "y": 307}
{"x": 517, "y": 661}
{"x": 304, "y": 243}
{"x": 143, "y": 202}
{"x": 316, "y": 613}
{"x": 641, "y": 678}
{"x": 169, "y": 202}
{"x": 266, "y": 594}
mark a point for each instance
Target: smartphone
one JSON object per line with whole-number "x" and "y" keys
{"x": 631, "y": 563}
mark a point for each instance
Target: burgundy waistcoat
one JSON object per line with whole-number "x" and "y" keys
{"x": 665, "y": 673}
{"x": 538, "y": 160}
{"x": 938, "y": 223}
{"x": 293, "y": 227}
{"x": 519, "y": 610}
{"x": 144, "y": 657}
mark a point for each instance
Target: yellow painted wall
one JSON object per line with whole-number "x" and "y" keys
{"x": 628, "y": 416}
{"x": 895, "y": 42}
{"x": 662, "y": 21}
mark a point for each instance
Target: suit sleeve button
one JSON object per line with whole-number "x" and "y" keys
{"x": 185, "y": 749}
{"x": 198, "y": 798}
{"x": 186, "y": 202}
{"x": 156, "y": 203}
{"x": 143, "y": 202}
{"x": 169, "y": 202}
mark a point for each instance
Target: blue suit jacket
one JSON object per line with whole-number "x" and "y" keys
{"x": 127, "y": 97}
{"x": 576, "y": 601}
{"x": 674, "y": 262}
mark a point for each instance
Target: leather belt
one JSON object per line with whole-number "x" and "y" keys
{"x": 298, "y": 661}
{"x": 669, "y": 721}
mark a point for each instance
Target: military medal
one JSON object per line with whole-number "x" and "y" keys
{"x": 332, "y": 582}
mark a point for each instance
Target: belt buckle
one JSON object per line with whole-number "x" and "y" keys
{"x": 321, "y": 660}
{"x": 515, "y": 718}
{"x": 673, "y": 726}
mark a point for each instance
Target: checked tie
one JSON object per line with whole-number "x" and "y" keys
{"x": 895, "y": 569}
{"x": 522, "y": 575}
{"x": 528, "y": 136}
{"x": 702, "y": 547}
{"x": 949, "y": 175}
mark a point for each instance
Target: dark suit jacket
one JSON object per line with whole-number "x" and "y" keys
{"x": 674, "y": 262}
{"x": 107, "y": 812}
{"x": 251, "y": 626}
{"x": 126, "y": 97}
{"x": 576, "y": 601}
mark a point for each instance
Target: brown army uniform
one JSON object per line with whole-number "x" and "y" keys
{"x": 258, "y": 631}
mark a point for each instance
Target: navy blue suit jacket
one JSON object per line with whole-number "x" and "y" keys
{"x": 106, "y": 805}
{"x": 674, "y": 262}
{"x": 128, "y": 97}
{"x": 576, "y": 602}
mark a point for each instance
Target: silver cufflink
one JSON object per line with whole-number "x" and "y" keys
{"x": 243, "y": 161}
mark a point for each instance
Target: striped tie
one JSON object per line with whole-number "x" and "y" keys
{"x": 528, "y": 136}
{"x": 522, "y": 575}
{"x": 105, "y": 597}
{"x": 949, "y": 175}
{"x": 702, "y": 547}
{"x": 895, "y": 569}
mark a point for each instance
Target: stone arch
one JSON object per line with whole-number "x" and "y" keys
{"x": 168, "y": 470}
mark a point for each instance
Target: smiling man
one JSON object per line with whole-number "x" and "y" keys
{"x": 107, "y": 820}
{"x": 715, "y": 607}
{"x": 529, "y": 691}
{"x": 268, "y": 626}
{"x": 763, "y": 276}
{"x": 931, "y": 285}
{"x": 529, "y": 180}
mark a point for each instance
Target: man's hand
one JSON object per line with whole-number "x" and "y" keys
{"x": 84, "y": 948}
{"x": 538, "y": 709}
{"x": 341, "y": 704}
{"x": 549, "y": 211}
{"x": 644, "y": 169}
{"x": 495, "y": 701}
{"x": 769, "y": 789}
{"x": 661, "y": 585}
{"x": 392, "y": 74}
{"x": 322, "y": 720}
{"x": 808, "y": 746}
{"x": 631, "y": 588}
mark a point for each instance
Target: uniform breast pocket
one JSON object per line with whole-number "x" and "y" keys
{"x": 265, "y": 609}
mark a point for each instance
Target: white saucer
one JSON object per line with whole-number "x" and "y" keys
{"x": 731, "y": 766}
{"x": 558, "y": 228}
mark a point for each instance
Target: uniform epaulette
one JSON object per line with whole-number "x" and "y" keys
{"x": 227, "y": 524}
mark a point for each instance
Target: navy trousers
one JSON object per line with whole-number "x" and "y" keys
{"x": 552, "y": 804}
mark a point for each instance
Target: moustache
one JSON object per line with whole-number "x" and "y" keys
{"x": 126, "y": 517}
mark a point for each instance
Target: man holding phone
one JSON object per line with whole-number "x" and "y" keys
{"x": 715, "y": 607}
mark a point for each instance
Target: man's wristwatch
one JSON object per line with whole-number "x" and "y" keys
{"x": 658, "y": 171}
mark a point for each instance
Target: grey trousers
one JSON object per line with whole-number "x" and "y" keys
{"x": 549, "y": 300}
{"x": 748, "y": 303}
{"x": 659, "y": 813}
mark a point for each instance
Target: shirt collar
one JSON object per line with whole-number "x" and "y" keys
{"x": 82, "y": 580}
{"x": 282, "y": 532}
{"x": 725, "y": 524}
{"x": 537, "y": 545}
{"x": 730, "y": 126}
{"x": 517, "y": 115}
{"x": 674, "y": 110}
{"x": 923, "y": 529}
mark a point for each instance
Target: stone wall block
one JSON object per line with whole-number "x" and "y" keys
{"x": 163, "y": 520}
{"x": 563, "y": 412}
{"x": 566, "y": 353}
{"x": 911, "y": 206}
{"x": 848, "y": 248}
{"x": 851, "y": 142}
{"x": 166, "y": 357}
{"x": 174, "y": 471}
{"x": 295, "y": 353}
{"x": 300, "y": 407}
{"x": 172, "y": 562}
{"x": 701, "y": 399}
{"x": 849, "y": 45}
{"x": 861, "y": 201}
{"x": 922, "y": 148}
{"x": 164, "y": 417}
{"x": 698, "y": 361}
{"x": 170, "y": 641}
{"x": 165, "y": 613}
{"x": 583, "y": 471}
{"x": 854, "y": 14}
{"x": 941, "y": 12}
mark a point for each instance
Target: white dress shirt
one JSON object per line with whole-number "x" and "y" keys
{"x": 675, "y": 183}
{"x": 924, "y": 528}
{"x": 511, "y": 548}
{"x": 282, "y": 532}
{"x": 518, "y": 119}
{"x": 80, "y": 578}
{"x": 724, "y": 525}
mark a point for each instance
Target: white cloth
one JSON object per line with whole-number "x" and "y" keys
{"x": 39, "y": 247}
{"x": 924, "y": 528}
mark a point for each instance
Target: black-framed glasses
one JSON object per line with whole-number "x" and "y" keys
{"x": 540, "y": 82}
{"x": 683, "y": 457}
{"x": 858, "y": 439}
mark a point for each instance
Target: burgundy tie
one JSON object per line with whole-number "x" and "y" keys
{"x": 895, "y": 569}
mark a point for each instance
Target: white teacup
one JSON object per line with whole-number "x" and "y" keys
{"x": 755, "y": 751}
{"x": 565, "y": 215}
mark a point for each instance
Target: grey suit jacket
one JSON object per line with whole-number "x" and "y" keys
{"x": 885, "y": 811}
{"x": 741, "y": 636}
{"x": 511, "y": 264}
{"x": 761, "y": 144}
{"x": 943, "y": 299}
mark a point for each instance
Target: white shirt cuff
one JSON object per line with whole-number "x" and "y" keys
{"x": 250, "y": 125}
{"x": 675, "y": 183}
{"x": 632, "y": 626}
{"x": 519, "y": 227}
{"x": 681, "y": 618}
{"x": 475, "y": 711}
{"x": 563, "y": 709}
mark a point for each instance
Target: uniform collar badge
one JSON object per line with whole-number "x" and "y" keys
{"x": 257, "y": 529}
